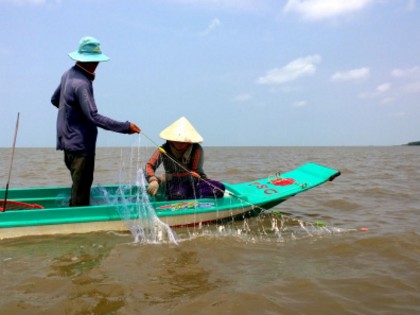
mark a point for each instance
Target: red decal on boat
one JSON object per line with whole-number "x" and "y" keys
{"x": 283, "y": 181}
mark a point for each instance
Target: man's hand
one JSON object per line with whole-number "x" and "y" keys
{"x": 134, "y": 128}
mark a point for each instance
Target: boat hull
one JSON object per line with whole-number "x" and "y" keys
{"x": 116, "y": 207}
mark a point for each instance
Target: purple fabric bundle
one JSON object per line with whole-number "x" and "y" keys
{"x": 204, "y": 189}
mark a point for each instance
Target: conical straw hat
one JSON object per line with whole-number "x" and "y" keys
{"x": 181, "y": 131}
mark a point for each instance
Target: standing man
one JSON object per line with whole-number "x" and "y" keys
{"x": 78, "y": 118}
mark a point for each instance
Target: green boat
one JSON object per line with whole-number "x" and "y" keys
{"x": 45, "y": 211}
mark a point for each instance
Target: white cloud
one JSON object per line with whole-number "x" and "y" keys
{"x": 379, "y": 91}
{"x": 411, "y": 5}
{"x": 412, "y": 87}
{"x": 241, "y": 98}
{"x": 300, "y": 104}
{"x": 25, "y": 2}
{"x": 248, "y": 5}
{"x": 295, "y": 69}
{"x": 410, "y": 77}
{"x": 387, "y": 100}
{"x": 323, "y": 9}
{"x": 5, "y": 51}
{"x": 397, "y": 114}
{"x": 410, "y": 72}
{"x": 214, "y": 24}
{"x": 351, "y": 75}
{"x": 383, "y": 87}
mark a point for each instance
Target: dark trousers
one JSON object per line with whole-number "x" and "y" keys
{"x": 81, "y": 170}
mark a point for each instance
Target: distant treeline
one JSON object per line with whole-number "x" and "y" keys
{"x": 414, "y": 143}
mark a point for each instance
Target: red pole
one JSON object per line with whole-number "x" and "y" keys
{"x": 11, "y": 163}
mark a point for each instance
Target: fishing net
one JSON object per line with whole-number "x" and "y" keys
{"x": 16, "y": 205}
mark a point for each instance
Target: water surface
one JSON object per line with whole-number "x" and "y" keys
{"x": 243, "y": 267}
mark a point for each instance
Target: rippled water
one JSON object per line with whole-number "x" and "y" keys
{"x": 327, "y": 265}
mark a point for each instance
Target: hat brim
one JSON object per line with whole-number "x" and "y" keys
{"x": 176, "y": 138}
{"x": 181, "y": 131}
{"x": 75, "y": 55}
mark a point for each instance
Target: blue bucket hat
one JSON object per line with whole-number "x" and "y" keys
{"x": 89, "y": 51}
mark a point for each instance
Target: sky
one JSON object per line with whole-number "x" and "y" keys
{"x": 243, "y": 72}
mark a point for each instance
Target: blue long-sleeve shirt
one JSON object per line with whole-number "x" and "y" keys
{"x": 78, "y": 118}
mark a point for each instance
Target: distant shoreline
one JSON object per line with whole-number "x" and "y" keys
{"x": 414, "y": 143}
